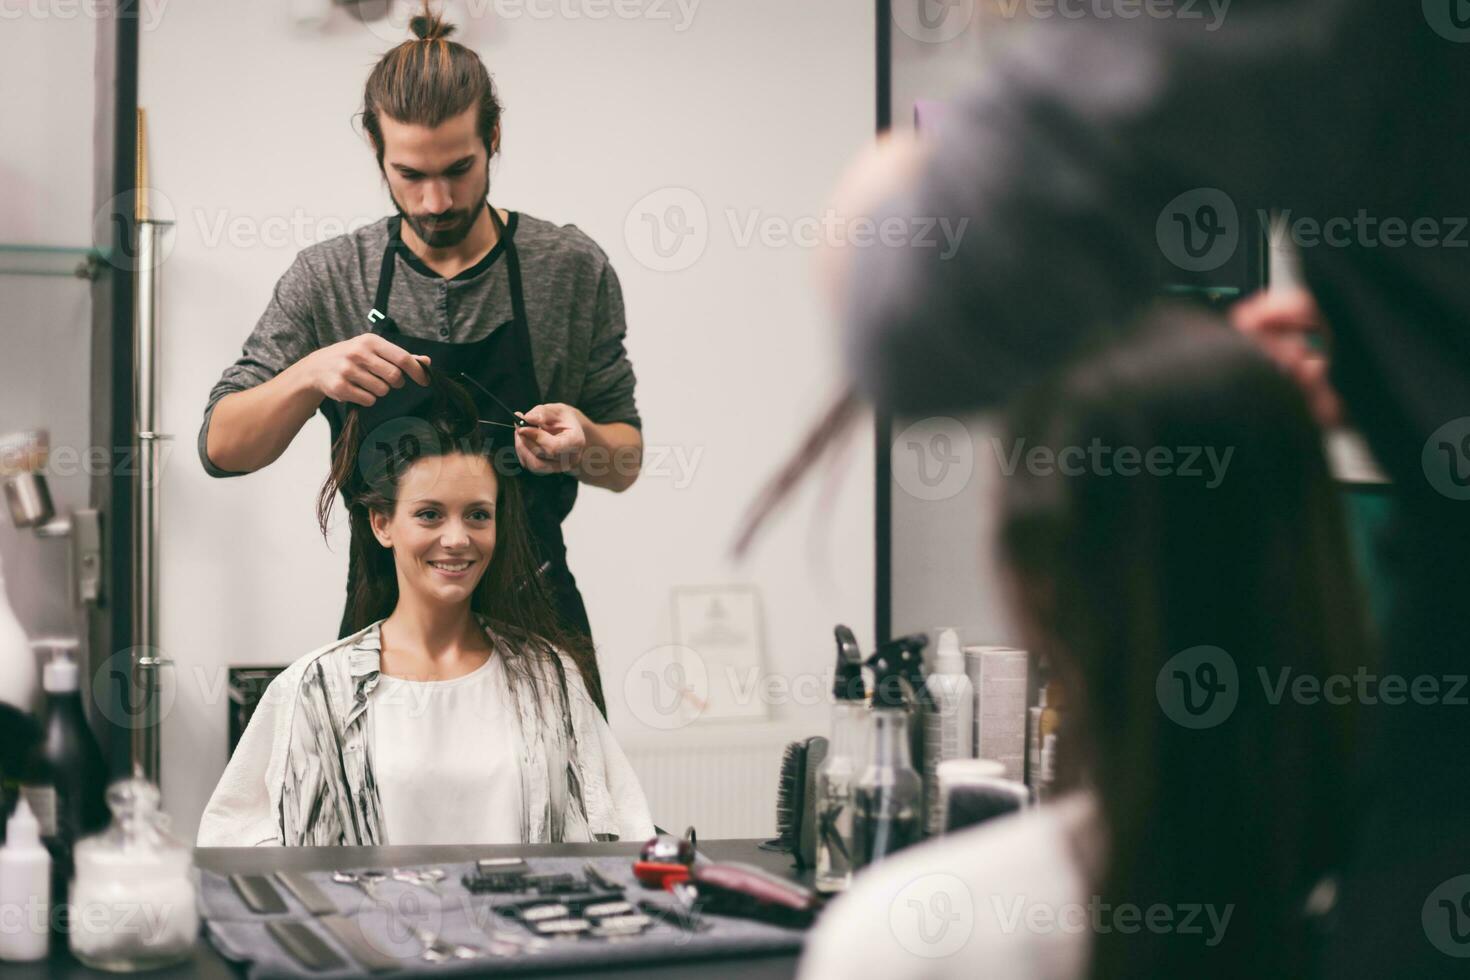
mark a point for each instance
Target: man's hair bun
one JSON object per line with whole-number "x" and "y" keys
{"x": 429, "y": 26}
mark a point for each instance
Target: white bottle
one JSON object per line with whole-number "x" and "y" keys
{"x": 19, "y": 685}
{"x": 25, "y": 889}
{"x": 950, "y": 727}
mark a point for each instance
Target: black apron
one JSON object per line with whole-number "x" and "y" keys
{"x": 501, "y": 363}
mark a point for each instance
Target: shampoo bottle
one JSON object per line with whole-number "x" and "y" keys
{"x": 949, "y": 726}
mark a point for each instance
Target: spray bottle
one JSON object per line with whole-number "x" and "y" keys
{"x": 888, "y": 799}
{"x": 949, "y": 729}
{"x": 841, "y": 768}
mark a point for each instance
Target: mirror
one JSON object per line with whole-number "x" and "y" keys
{"x": 686, "y": 152}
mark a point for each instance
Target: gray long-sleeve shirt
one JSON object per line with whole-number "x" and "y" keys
{"x": 574, "y": 309}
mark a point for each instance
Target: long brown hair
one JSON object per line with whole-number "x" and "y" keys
{"x": 427, "y": 80}
{"x": 367, "y": 470}
{"x": 1113, "y": 575}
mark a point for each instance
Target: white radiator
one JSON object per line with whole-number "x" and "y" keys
{"x": 721, "y": 778}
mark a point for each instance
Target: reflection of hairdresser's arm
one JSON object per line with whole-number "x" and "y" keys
{"x": 1050, "y": 178}
{"x": 250, "y": 429}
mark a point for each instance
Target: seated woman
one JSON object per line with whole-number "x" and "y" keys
{"x": 458, "y": 711}
{"x": 1178, "y": 597}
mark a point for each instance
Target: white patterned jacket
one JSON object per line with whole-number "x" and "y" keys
{"x": 302, "y": 772}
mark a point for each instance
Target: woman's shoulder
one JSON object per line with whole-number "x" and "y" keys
{"x": 337, "y": 657}
{"x": 1005, "y": 894}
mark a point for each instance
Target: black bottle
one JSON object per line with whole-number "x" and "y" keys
{"x": 68, "y": 777}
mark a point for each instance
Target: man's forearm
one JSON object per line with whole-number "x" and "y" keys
{"x": 250, "y": 429}
{"x": 613, "y": 456}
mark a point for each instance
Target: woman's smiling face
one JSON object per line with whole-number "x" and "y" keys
{"x": 442, "y": 529}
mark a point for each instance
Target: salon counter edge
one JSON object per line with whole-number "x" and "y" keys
{"x": 208, "y": 964}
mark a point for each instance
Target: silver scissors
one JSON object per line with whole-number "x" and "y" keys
{"x": 520, "y": 421}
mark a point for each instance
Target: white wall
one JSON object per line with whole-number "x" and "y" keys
{"x": 757, "y": 104}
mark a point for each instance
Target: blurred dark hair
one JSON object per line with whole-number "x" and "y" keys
{"x": 1112, "y": 575}
{"x": 367, "y": 468}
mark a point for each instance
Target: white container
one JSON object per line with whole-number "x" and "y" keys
{"x": 18, "y": 675}
{"x": 999, "y": 677}
{"x": 25, "y": 889}
{"x": 133, "y": 900}
{"x": 950, "y": 727}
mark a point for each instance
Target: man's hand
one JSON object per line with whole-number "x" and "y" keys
{"x": 607, "y": 455}
{"x": 1284, "y": 322}
{"x": 363, "y": 369}
{"x": 555, "y": 447}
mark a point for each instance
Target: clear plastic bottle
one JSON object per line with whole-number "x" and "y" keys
{"x": 887, "y": 801}
{"x": 846, "y": 753}
{"x": 888, "y": 798}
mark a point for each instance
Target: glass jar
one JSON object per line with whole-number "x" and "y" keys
{"x": 133, "y": 898}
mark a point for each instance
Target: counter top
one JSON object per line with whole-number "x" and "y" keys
{"x": 208, "y": 964}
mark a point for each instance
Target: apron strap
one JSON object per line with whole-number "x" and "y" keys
{"x": 379, "y": 311}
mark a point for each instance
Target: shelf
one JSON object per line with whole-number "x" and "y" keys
{"x": 51, "y": 260}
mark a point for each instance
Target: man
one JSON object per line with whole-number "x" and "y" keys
{"x": 529, "y": 312}
{"x": 1347, "y": 116}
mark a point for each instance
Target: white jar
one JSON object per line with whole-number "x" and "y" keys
{"x": 133, "y": 899}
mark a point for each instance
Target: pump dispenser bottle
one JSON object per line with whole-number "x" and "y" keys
{"x": 888, "y": 798}
{"x": 841, "y": 768}
{"x": 949, "y": 729}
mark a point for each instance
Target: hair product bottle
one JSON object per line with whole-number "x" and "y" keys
{"x": 888, "y": 798}
{"x": 69, "y": 791}
{"x": 25, "y": 889}
{"x": 949, "y": 726}
{"x": 840, "y": 769}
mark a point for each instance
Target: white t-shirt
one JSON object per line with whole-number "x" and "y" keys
{"x": 1004, "y": 899}
{"x": 444, "y": 756}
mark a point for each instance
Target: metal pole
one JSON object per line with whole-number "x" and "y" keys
{"x": 146, "y": 655}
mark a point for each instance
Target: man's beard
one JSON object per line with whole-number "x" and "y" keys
{"x": 455, "y": 226}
